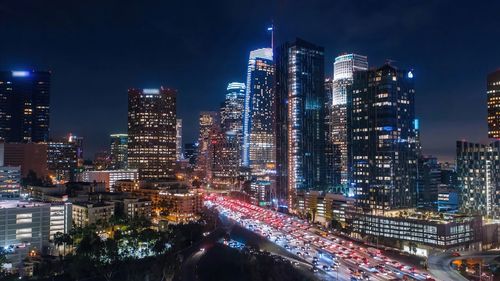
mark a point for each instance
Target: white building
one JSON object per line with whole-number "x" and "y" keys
{"x": 109, "y": 177}
{"x": 29, "y": 227}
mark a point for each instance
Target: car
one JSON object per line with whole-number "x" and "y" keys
{"x": 326, "y": 268}
{"x": 314, "y": 269}
{"x": 455, "y": 254}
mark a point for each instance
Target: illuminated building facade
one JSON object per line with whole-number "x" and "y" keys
{"x": 493, "y": 92}
{"x": 382, "y": 139}
{"x": 261, "y": 193}
{"x": 344, "y": 67}
{"x": 91, "y": 213}
{"x": 109, "y": 177}
{"x": 224, "y": 158}
{"x": 30, "y": 226}
{"x": 24, "y": 106}
{"x": 191, "y": 152}
{"x": 10, "y": 182}
{"x": 209, "y": 124}
{"x": 428, "y": 181}
{"x": 231, "y": 113}
{"x": 258, "y": 125}
{"x": 119, "y": 151}
{"x": 332, "y": 154}
{"x": 478, "y": 175}
{"x": 62, "y": 160}
{"x": 300, "y": 118}
{"x": 152, "y": 133}
{"x": 178, "y": 140}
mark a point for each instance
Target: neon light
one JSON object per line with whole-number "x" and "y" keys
{"x": 20, "y": 73}
{"x": 410, "y": 74}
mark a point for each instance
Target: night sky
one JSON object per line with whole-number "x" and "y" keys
{"x": 98, "y": 49}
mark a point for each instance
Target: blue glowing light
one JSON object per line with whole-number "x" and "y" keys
{"x": 410, "y": 74}
{"x": 416, "y": 124}
{"x": 270, "y": 28}
{"x": 20, "y": 73}
{"x": 151, "y": 91}
{"x": 387, "y": 128}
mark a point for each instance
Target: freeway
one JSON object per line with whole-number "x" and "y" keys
{"x": 440, "y": 265}
{"x": 337, "y": 258}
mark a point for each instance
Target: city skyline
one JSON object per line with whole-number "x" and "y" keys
{"x": 439, "y": 62}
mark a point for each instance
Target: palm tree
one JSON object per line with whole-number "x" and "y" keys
{"x": 59, "y": 240}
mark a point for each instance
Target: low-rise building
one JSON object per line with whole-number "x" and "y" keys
{"x": 419, "y": 232}
{"x": 137, "y": 208}
{"x": 87, "y": 213}
{"x": 126, "y": 185}
{"x": 184, "y": 205}
{"x": 324, "y": 207}
{"x": 109, "y": 177}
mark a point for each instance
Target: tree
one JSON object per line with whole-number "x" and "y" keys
{"x": 336, "y": 225}
{"x": 313, "y": 213}
{"x": 3, "y": 256}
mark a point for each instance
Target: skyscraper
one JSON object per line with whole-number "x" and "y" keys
{"x": 493, "y": 92}
{"x": 478, "y": 175}
{"x": 119, "y": 151}
{"x": 178, "y": 140}
{"x": 231, "y": 113}
{"x": 428, "y": 181}
{"x": 151, "y": 132}
{"x": 258, "y": 126}
{"x": 209, "y": 124}
{"x": 382, "y": 138}
{"x": 344, "y": 67}
{"x": 224, "y": 159}
{"x": 62, "y": 160}
{"x": 24, "y": 106}
{"x": 332, "y": 155}
{"x": 300, "y": 118}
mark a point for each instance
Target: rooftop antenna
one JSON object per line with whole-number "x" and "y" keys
{"x": 271, "y": 28}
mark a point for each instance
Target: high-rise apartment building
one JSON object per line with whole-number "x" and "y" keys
{"x": 382, "y": 139}
{"x": 300, "y": 119}
{"x": 493, "y": 92}
{"x": 478, "y": 175}
{"x": 119, "y": 151}
{"x": 258, "y": 125}
{"x": 24, "y": 106}
{"x": 151, "y": 131}
{"x": 344, "y": 67}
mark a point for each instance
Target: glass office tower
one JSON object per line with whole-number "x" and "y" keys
{"x": 382, "y": 139}
{"x": 300, "y": 119}
{"x": 24, "y": 106}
